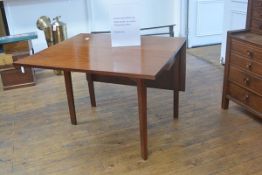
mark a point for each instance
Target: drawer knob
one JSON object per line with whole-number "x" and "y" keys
{"x": 246, "y": 98}
{"x": 246, "y": 81}
{"x": 249, "y": 54}
{"x": 249, "y": 66}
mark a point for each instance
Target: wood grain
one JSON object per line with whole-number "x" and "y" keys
{"x": 142, "y": 110}
{"x": 93, "y": 53}
{"x": 91, "y": 89}
{"x": 70, "y": 96}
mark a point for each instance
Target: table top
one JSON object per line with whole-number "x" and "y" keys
{"x": 93, "y": 53}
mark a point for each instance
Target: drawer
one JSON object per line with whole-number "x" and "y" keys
{"x": 256, "y": 25}
{"x": 14, "y": 77}
{"x": 245, "y": 80}
{"x": 246, "y": 50}
{"x": 245, "y": 97}
{"x": 248, "y": 65}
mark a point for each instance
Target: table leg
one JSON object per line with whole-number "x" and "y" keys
{"x": 176, "y": 104}
{"x": 91, "y": 90}
{"x": 142, "y": 107}
{"x": 70, "y": 96}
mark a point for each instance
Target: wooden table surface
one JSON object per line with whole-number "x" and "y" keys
{"x": 94, "y": 54}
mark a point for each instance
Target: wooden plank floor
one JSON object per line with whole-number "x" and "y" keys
{"x": 36, "y": 136}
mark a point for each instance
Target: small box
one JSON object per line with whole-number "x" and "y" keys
{"x": 13, "y": 78}
{"x": 15, "y": 48}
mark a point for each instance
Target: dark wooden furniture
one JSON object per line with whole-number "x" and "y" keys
{"x": 11, "y": 77}
{"x": 160, "y": 63}
{"x": 243, "y": 71}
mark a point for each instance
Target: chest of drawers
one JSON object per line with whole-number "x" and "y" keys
{"x": 243, "y": 69}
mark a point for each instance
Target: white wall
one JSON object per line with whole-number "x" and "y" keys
{"x": 88, "y": 15}
{"x": 23, "y": 14}
{"x": 152, "y": 12}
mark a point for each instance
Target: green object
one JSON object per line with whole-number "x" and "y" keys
{"x": 18, "y": 37}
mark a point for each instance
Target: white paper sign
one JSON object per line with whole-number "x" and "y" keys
{"x": 125, "y": 29}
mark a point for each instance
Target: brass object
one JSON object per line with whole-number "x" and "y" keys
{"x": 59, "y": 30}
{"x": 49, "y": 36}
{"x": 44, "y": 23}
{"x": 249, "y": 54}
{"x": 246, "y": 81}
{"x": 54, "y": 33}
{"x": 249, "y": 66}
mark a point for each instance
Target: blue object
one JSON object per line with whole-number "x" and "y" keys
{"x": 18, "y": 37}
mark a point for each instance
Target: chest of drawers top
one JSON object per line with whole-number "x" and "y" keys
{"x": 252, "y": 38}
